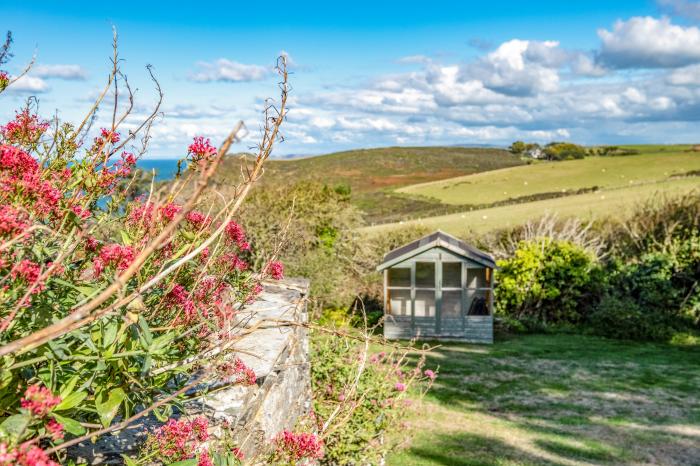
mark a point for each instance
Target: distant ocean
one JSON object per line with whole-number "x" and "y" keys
{"x": 165, "y": 168}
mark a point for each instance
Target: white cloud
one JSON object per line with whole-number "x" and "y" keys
{"x": 686, "y": 76}
{"x": 29, "y": 84}
{"x": 229, "y": 71}
{"x": 519, "y": 67}
{"x": 684, "y": 8}
{"x": 68, "y": 72}
{"x": 646, "y": 42}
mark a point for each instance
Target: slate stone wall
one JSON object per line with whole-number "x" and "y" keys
{"x": 275, "y": 349}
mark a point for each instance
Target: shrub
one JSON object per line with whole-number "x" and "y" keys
{"x": 546, "y": 282}
{"x": 105, "y": 303}
{"x": 654, "y": 297}
{"x": 359, "y": 414}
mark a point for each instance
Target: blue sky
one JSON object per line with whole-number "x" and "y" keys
{"x": 377, "y": 73}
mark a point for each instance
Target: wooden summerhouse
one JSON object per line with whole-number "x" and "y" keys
{"x": 438, "y": 287}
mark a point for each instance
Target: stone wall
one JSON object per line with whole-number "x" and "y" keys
{"x": 278, "y": 353}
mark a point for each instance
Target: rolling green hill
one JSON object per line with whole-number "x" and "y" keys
{"x": 615, "y": 201}
{"x": 373, "y": 174}
{"x": 552, "y": 179}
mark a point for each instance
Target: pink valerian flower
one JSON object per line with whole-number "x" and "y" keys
{"x": 295, "y": 447}
{"x": 430, "y": 374}
{"x": 106, "y": 137}
{"x": 114, "y": 255}
{"x": 238, "y": 369}
{"x": 201, "y": 149}
{"x": 169, "y": 211}
{"x": 55, "y": 429}
{"x": 238, "y": 454}
{"x": 204, "y": 460}
{"x": 91, "y": 243}
{"x": 4, "y": 80}
{"x": 231, "y": 261}
{"x": 180, "y": 440}
{"x": 178, "y": 296}
{"x": 39, "y": 400}
{"x": 26, "y": 128}
{"x": 197, "y": 219}
{"x": 400, "y": 387}
{"x": 236, "y": 236}
{"x": 26, "y": 454}
{"x": 275, "y": 270}
{"x": 254, "y": 293}
{"x": 12, "y": 221}
{"x": 80, "y": 211}
{"x": 26, "y": 270}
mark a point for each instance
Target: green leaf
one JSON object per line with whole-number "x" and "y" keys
{"x": 145, "y": 335}
{"x": 15, "y": 425}
{"x": 189, "y": 462}
{"x": 71, "y": 401}
{"x": 126, "y": 239}
{"x": 128, "y": 461}
{"x": 70, "y": 425}
{"x": 68, "y": 387}
{"x": 107, "y": 407}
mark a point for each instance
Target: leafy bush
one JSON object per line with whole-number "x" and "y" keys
{"x": 654, "y": 297}
{"x": 546, "y": 282}
{"x": 108, "y": 304}
{"x": 563, "y": 151}
{"x": 370, "y": 404}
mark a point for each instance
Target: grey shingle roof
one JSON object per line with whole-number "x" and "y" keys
{"x": 436, "y": 239}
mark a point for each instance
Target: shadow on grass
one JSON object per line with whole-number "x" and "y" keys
{"x": 466, "y": 449}
{"x": 584, "y": 398}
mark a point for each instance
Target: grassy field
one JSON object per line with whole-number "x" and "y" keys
{"x": 374, "y": 174}
{"x": 651, "y": 166}
{"x": 558, "y": 400}
{"x": 617, "y": 202}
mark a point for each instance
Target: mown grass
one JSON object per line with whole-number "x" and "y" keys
{"x": 595, "y": 205}
{"x": 554, "y": 178}
{"x": 558, "y": 400}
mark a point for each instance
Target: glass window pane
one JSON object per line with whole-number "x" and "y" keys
{"x": 478, "y": 302}
{"x": 399, "y": 302}
{"x": 425, "y": 274}
{"x": 451, "y": 304}
{"x": 452, "y": 274}
{"x": 478, "y": 278}
{"x": 400, "y": 277}
{"x": 425, "y": 303}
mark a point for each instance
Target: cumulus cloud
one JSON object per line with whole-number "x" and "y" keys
{"x": 29, "y": 84}
{"x": 646, "y": 42}
{"x": 229, "y": 71}
{"x": 68, "y": 72}
{"x": 519, "y": 67}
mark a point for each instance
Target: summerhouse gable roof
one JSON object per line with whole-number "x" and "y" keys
{"x": 437, "y": 239}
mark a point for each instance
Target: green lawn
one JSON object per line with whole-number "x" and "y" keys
{"x": 558, "y": 400}
{"x": 555, "y": 178}
{"x": 616, "y": 202}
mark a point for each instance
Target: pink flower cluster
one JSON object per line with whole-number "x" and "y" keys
{"x": 201, "y": 149}
{"x": 238, "y": 369}
{"x": 114, "y": 255}
{"x": 26, "y": 270}
{"x": 236, "y": 236}
{"x": 299, "y": 446}
{"x": 275, "y": 270}
{"x": 180, "y": 440}
{"x": 26, "y": 128}
{"x": 430, "y": 374}
{"x": 106, "y": 137}
{"x": 39, "y": 400}
{"x": 55, "y": 429}
{"x": 12, "y": 221}
{"x": 26, "y": 454}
